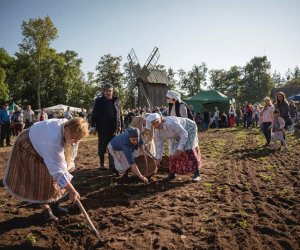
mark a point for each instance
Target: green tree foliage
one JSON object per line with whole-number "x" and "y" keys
{"x": 38, "y": 34}
{"x": 293, "y": 77}
{"x": 227, "y": 82}
{"x": 218, "y": 80}
{"x": 3, "y": 86}
{"x": 193, "y": 81}
{"x": 171, "y": 76}
{"x": 257, "y": 82}
{"x": 6, "y": 63}
{"x": 277, "y": 79}
{"x": 129, "y": 81}
{"x": 22, "y": 82}
{"x": 234, "y": 79}
{"x": 109, "y": 71}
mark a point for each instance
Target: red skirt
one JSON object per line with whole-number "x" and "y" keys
{"x": 188, "y": 161}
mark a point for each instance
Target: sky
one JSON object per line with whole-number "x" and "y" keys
{"x": 221, "y": 33}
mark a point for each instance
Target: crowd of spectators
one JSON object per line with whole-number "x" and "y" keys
{"x": 14, "y": 121}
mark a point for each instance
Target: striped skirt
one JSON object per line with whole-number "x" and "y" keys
{"x": 26, "y": 176}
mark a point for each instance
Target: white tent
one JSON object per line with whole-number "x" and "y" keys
{"x": 61, "y": 107}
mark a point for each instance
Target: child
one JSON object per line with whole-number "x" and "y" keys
{"x": 278, "y": 129}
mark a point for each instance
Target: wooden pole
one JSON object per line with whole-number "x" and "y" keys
{"x": 88, "y": 219}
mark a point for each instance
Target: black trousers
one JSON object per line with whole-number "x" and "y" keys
{"x": 103, "y": 139}
{"x": 267, "y": 131}
{"x": 5, "y": 133}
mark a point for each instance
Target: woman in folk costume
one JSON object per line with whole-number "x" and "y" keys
{"x": 176, "y": 106}
{"x": 39, "y": 162}
{"x": 184, "y": 152}
{"x": 122, "y": 149}
{"x": 147, "y": 135}
{"x": 232, "y": 116}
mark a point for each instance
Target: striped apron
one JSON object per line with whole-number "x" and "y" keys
{"x": 26, "y": 176}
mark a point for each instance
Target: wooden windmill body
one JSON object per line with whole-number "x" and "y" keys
{"x": 151, "y": 82}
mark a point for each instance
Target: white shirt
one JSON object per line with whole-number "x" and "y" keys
{"x": 216, "y": 115}
{"x": 47, "y": 140}
{"x": 173, "y": 128}
{"x": 68, "y": 115}
{"x": 28, "y": 115}
{"x": 231, "y": 112}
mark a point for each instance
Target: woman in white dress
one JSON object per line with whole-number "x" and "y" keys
{"x": 184, "y": 150}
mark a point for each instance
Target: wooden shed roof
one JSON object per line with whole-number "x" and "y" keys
{"x": 157, "y": 76}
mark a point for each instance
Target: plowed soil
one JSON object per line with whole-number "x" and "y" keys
{"x": 248, "y": 198}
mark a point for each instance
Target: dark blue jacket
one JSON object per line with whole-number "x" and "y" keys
{"x": 4, "y": 116}
{"x": 121, "y": 143}
{"x": 100, "y": 117}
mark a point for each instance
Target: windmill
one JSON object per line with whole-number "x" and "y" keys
{"x": 151, "y": 83}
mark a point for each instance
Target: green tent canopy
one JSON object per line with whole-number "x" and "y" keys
{"x": 209, "y": 99}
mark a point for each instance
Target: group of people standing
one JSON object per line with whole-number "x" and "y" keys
{"x": 12, "y": 123}
{"x": 275, "y": 120}
{"x": 246, "y": 114}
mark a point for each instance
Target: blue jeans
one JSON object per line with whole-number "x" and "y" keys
{"x": 217, "y": 122}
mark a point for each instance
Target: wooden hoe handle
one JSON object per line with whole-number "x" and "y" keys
{"x": 88, "y": 219}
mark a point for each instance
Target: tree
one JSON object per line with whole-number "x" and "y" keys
{"x": 6, "y": 63}
{"x": 234, "y": 79}
{"x": 218, "y": 79}
{"x": 194, "y": 80}
{"x": 38, "y": 34}
{"x": 293, "y": 77}
{"x": 109, "y": 70}
{"x": 257, "y": 82}
{"x": 129, "y": 80}
{"x": 3, "y": 86}
{"x": 277, "y": 79}
{"x": 171, "y": 76}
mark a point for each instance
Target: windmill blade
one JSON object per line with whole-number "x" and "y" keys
{"x": 134, "y": 63}
{"x": 152, "y": 59}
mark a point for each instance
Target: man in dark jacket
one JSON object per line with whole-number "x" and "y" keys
{"x": 106, "y": 120}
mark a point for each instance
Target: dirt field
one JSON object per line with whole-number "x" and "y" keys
{"x": 248, "y": 198}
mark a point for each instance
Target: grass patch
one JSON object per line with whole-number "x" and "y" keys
{"x": 243, "y": 224}
{"x": 244, "y": 213}
{"x": 282, "y": 192}
{"x": 31, "y": 239}
{"x": 265, "y": 177}
{"x": 208, "y": 186}
{"x": 270, "y": 167}
{"x": 202, "y": 230}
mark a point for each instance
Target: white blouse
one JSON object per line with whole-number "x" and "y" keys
{"x": 173, "y": 128}
{"x": 47, "y": 140}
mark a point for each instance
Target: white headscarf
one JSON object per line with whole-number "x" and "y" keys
{"x": 174, "y": 95}
{"x": 150, "y": 118}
